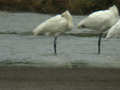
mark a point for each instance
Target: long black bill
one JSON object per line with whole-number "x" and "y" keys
{"x": 99, "y": 42}
{"x": 55, "y": 45}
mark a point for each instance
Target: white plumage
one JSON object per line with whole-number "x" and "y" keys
{"x": 114, "y": 31}
{"x": 100, "y": 21}
{"x": 55, "y": 26}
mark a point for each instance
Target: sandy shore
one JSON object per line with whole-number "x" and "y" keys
{"x": 29, "y": 78}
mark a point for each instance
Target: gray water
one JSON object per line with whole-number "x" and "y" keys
{"x": 18, "y": 47}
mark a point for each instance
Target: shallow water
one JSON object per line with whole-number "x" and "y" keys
{"x": 18, "y": 49}
{"x": 24, "y": 23}
{"x": 72, "y": 51}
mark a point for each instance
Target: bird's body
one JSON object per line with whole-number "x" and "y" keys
{"x": 100, "y": 21}
{"x": 114, "y": 31}
{"x": 55, "y": 26}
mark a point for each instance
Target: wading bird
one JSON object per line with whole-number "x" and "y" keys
{"x": 55, "y": 26}
{"x": 114, "y": 31}
{"x": 100, "y": 21}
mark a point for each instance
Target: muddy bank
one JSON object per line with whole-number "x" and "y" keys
{"x": 22, "y": 78}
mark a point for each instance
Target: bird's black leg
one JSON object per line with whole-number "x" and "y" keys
{"x": 99, "y": 42}
{"x": 55, "y": 45}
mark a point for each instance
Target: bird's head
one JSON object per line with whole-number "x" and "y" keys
{"x": 115, "y": 10}
{"x": 67, "y": 15}
{"x": 35, "y": 32}
{"x": 81, "y": 24}
{"x": 87, "y": 22}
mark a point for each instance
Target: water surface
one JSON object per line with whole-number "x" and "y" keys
{"x": 18, "y": 47}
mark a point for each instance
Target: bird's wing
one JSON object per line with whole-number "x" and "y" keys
{"x": 97, "y": 19}
{"x": 54, "y": 24}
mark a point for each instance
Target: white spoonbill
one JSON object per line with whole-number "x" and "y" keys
{"x": 55, "y": 26}
{"x": 114, "y": 31}
{"x": 100, "y": 21}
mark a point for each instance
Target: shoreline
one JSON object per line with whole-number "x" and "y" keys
{"x": 59, "y": 78}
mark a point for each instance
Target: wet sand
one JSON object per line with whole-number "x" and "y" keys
{"x": 31, "y": 78}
